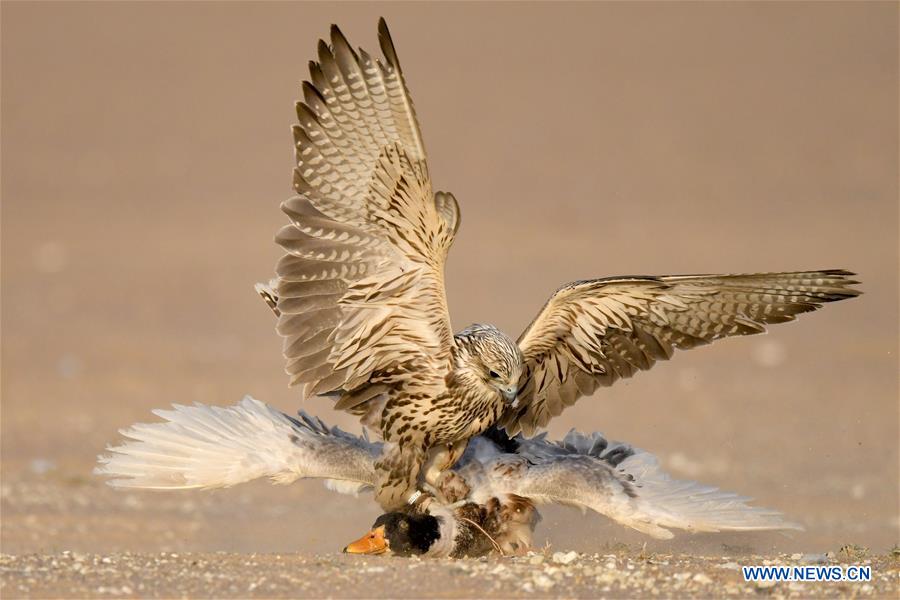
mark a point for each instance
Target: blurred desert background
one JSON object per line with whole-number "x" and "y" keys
{"x": 146, "y": 149}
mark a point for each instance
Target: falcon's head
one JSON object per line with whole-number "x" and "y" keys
{"x": 488, "y": 359}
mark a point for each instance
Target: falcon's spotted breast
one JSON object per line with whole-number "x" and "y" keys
{"x": 360, "y": 297}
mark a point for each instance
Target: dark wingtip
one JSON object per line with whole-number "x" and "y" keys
{"x": 311, "y": 94}
{"x": 841, "y": 272}
{"x": 324, "y": 50}
{"x": 339, "y": 42}
{"x": 849, "y": 292}
{"x": 845, "y": 276}
{"x": 387, "y": 44}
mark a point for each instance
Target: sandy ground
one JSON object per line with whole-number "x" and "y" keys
{"x": 145, "y": 152}
{"x": 537, "y": 575}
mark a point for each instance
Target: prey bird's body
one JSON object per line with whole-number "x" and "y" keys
{"x": 361, "y": 305}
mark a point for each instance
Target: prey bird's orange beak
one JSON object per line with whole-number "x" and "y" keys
{"x": 371, "y": 543}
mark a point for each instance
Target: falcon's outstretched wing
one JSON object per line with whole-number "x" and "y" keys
{"x": 360, "y": 291}
{"x": 622, "y": 482}
{"x": 210, "y": 447}
{"x": 591, "y": 333}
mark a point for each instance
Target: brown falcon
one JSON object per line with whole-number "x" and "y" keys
{"x": 360, "y": 297}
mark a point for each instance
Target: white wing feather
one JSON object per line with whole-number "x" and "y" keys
{"x": 210, "y": 447}
{"x": 626, "y": 484}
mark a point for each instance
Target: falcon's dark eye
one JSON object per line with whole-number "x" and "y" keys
{"x": 494, "y": 375}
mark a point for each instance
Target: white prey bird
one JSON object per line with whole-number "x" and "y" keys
{"x": 202, "y": 447}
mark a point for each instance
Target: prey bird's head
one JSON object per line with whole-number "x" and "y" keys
{"x": 489, "y": 359}
{"x": 400, "y": 533}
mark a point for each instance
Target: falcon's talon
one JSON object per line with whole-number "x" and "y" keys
{"x": 452, "y": 487}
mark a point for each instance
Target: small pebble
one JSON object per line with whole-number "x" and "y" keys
{"x": 564, "y": 558}
{"x": 816, "y": 559}
{"x": 701, "y": 578}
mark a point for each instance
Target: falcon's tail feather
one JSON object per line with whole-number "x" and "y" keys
{"x": 210, "y": 446}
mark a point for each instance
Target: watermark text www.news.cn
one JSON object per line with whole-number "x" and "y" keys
{"x": 808, "y": 573}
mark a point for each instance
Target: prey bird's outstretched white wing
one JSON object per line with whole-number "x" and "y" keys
{"x": 591, "y": 333}
{"x": 202, "y": 447}
{"x": 360, "y": 291}
{"x": 210, "y": 447}
{"x": 624, "y": 483}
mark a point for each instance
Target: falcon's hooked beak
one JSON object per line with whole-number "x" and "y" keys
{"x": 510, "y": 393}
{"x": 371, "y": 543}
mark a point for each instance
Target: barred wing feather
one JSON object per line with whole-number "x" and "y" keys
{"x": 360, "y": 290}
{"x": 592, "y": 333}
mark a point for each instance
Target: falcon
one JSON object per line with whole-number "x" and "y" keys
{"x": 360, "y": 299}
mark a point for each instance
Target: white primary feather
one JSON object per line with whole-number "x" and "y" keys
{"x": 692, "y": 506}
{"x": 209, "y": 447}
{"x": 341, "y": 486}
